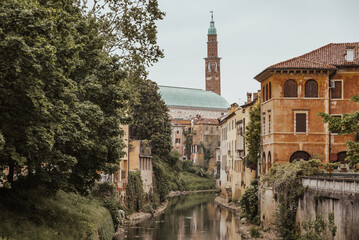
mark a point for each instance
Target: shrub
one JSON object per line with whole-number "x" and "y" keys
{"x": 254, "y": 232}
{"x": 134, "y": 191}
{"x": 286, "y": 180}
{"x": 249, "y": 202}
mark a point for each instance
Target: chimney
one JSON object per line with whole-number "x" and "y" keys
{"x": 255, "y": 95}
{"x": 349, "y": 57}
{"x": 249, "y": 97}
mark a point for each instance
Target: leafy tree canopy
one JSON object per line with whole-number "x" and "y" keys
{"x": 129, "y": 28}
{"x": 62, "y": 97}
{"x": 253, "y": 136}
{"x": 347, "y": 124}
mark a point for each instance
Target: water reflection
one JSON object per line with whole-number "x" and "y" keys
{"x": 194, "y": 216}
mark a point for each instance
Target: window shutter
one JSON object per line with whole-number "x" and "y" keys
{"x": 337, "y": 90}
{"x": 290, "y": 88}
{"x": 311, "y": 88}
{"x": 301, "y": 123}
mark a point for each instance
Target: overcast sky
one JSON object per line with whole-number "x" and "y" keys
{"x": 252, "y": 35}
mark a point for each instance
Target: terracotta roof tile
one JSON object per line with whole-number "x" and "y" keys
{"x": 329, "y": 56}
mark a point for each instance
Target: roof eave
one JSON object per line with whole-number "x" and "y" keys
{"x": 266, "y": 73}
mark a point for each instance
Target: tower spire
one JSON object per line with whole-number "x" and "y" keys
{"x": 212, "y": 61}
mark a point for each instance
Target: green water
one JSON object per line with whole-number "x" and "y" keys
{"x": 194, "y": 216}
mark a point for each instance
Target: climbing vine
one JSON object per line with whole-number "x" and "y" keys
{"x": 249, "y": 203}
{"x": 134, "y": 191}
{"x": 253, "y": 137}
{"x": 286, "y": 181}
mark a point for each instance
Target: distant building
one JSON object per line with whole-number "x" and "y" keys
{"x": 295, "y": 91}
{"x": 187, "y": 104}
{"x": 190, "y": 107}
{"x": 235, "y": 175}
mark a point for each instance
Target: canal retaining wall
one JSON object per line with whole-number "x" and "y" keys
{"x": 326, "y": 193}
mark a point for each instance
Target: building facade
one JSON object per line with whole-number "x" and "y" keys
{"x": 295, "y": 91}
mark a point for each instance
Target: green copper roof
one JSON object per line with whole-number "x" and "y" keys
{"x": 191, "y": 97}
{"x": 212, "y": 29}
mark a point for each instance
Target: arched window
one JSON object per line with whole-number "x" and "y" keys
{"x": 209, "y": 67}
{"x": 216, "y": 67}
{"x": 300, "y": 155}
{"x": 264, "y": 163}
{"x": 270, "y": 90}
{"x": 290, "y": 88}
{"x": 264, "y": 94}
{"x": 269, "y": 161}
{"x": 267, "y": 92}
{"x": 311, "y": 88}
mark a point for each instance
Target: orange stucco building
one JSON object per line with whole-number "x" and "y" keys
{"x": 295, "y": 91}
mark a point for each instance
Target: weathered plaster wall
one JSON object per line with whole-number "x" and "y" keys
{"x": 267, "y": 207}
{"x": 344, "y": 206}
{"x": 188, "y": 113}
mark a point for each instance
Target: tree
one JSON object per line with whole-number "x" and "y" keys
{"x": 208, "y": 153}
{"x": 347, "y": 124}
{"x": 253, "y": 136}
{"x": 150, "y": 118}
{"x": 63, "y": 96}
{"x": 129, "y": 28}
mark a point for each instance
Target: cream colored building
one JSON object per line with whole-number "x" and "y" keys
{"x": 234, "y": 175}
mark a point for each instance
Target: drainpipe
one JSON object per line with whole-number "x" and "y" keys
{"x": 329, "y": 112}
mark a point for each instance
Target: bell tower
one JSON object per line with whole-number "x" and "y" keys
{"x": 212, "y": 61}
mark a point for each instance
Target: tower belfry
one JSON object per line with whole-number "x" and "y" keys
{"x": 212, "y": 61}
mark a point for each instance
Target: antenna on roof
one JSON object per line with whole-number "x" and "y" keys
{"x": 211, "y": 15}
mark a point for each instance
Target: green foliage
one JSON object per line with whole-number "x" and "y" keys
{"x": 254, "y": 232}
{"x": 253, "y": 137}
{"x": 319, "y": 229}
{"x": 347, "y": 124}
{"x": 194, "y": 182}
{"x": 32, "y": 215}
{"x": 129, "y": 28}
{"x": 286, "y": 180}
{"x": 150, "y": 118}
{"x": 189, "y": 141}
{"x": 161, "y": 177}
{"x": 63, "y": 95}
{"x": 134, "y": 191}
{"x": 208, "y": 153}
{"x": 107, "y": 193}
{"x": 250, "y": 204}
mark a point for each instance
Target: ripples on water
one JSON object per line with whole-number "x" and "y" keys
{"x": 193, "y": 216}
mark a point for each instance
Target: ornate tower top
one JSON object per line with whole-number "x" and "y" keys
{"x": 212, "y": 29}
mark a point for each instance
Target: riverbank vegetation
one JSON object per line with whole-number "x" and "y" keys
{"x": 288, "y": 189}
{"x": 31, "y": 214}
{"x": 250, "y": 203}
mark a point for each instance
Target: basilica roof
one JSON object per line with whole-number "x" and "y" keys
{"x": 192, "y": 98}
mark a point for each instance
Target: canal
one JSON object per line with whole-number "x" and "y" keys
{"x": 193, "y": 216}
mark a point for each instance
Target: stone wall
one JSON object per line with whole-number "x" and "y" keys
{"x": 267, "y": 206}
{"x": 339, "y": 196}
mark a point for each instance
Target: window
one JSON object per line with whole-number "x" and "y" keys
{"x": 177, "y": 132}
{"x": 311, "y": 88}
{"x": 290, "y": 88}
{"x": 270, "y": 90}
{"x": 300, "y": 122}
{"x": 209, "y": 67}
{"x": 264, "y": 93}
{"x": 264, "y": 126}
{"x": 178, "y": 140}
{"x": 267, "y": 92}
{"x": 269, "y": 123}
{"x": 216, "y": 67}
{"x": 337, "y": 90}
